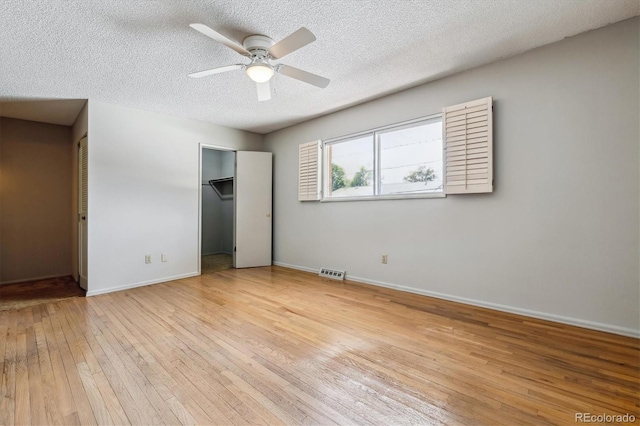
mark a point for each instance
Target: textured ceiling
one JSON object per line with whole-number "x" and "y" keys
{"x": 138, "y": 53}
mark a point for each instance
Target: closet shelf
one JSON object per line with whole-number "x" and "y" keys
{"x": 223, "y": 187}
{"x": 224, "y": 179}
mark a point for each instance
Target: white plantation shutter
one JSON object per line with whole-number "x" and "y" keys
{"x": 309, "y": 171}
{"x": 468, "y": 133}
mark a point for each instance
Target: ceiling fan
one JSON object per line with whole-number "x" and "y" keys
{"x": 261, "y": 50}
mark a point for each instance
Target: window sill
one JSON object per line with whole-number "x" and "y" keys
{"x": 385, "y": 197}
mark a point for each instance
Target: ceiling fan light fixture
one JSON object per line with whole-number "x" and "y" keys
{"x": 260, "y": 72}
{"x": 261, "y": 50}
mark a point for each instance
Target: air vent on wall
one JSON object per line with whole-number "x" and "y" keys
{"x": 332, "y": 273}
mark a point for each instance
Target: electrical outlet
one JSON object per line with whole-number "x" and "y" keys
{"x": 163, "y": 257}
{"x": 147, "y": 258}
{"x": 384, "y": 259}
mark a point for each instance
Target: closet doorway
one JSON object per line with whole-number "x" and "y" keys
{"x": 217, "y": 210}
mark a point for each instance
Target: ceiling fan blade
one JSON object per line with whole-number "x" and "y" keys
{"x": 215, "y": 71}
{"x": 220, "y": 38}
{"x": 304, "y": 76}
{"x": 264, "y": 91}
{"x": 291, "y": 43}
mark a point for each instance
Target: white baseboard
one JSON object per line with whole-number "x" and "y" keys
{"x": 615, "y": 329}
{"x": 299, "y": 268}
{"x": 140, "y": 284}
{"x": 26, "y": 280}
{"x": 217, "y": 252}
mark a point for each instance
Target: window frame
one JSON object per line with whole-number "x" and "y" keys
{"x": 377, "y": 184}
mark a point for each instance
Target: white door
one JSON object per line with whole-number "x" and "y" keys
{"x": 252, "y": 189}
{"x": 82, "y": 212}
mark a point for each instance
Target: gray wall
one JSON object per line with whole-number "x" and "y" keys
{"x": 35, "y": 200}
{"x": 217, "y": 213}
{"x": 559, "y": 236}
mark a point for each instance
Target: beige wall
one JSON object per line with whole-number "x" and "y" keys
{"x": 35, "y": 198}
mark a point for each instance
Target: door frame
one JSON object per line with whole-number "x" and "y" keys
{"x": 200, "y": 149}
{"x": 79, "y": 240}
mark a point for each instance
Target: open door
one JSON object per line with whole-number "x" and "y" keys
{"x": 252, "y": 239}
{"x": 82, "y": 212}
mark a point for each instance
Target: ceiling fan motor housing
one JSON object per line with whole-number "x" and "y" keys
{"x": 258, "y": 45}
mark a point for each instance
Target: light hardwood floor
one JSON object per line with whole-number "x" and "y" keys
{"x": 277, "y": 346}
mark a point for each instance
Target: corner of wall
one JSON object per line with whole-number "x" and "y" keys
{"x": 80, "y": 126}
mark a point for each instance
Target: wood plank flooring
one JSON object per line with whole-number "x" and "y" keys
{"x": 277, "y": 346}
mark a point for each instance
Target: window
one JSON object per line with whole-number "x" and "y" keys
{"x": 395, "y": 161}
{"x": 404, "y": 160}
{"x": 350, "y": 165}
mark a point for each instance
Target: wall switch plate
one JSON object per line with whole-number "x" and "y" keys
{"x": 147, "y": 258}
{"x": 384, "y": 259}
{"x": 163, "y": 257}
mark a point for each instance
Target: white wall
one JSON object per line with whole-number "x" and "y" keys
{"x": 227, "y": 228}
{"x": 143, "y": 193}
{"x": 559, "y": 237}
{"x": 217, "y": 213}
{"x": 211, "y": 204}
{"x": 80, "y": 126}
{"x": 228, "y": 164}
